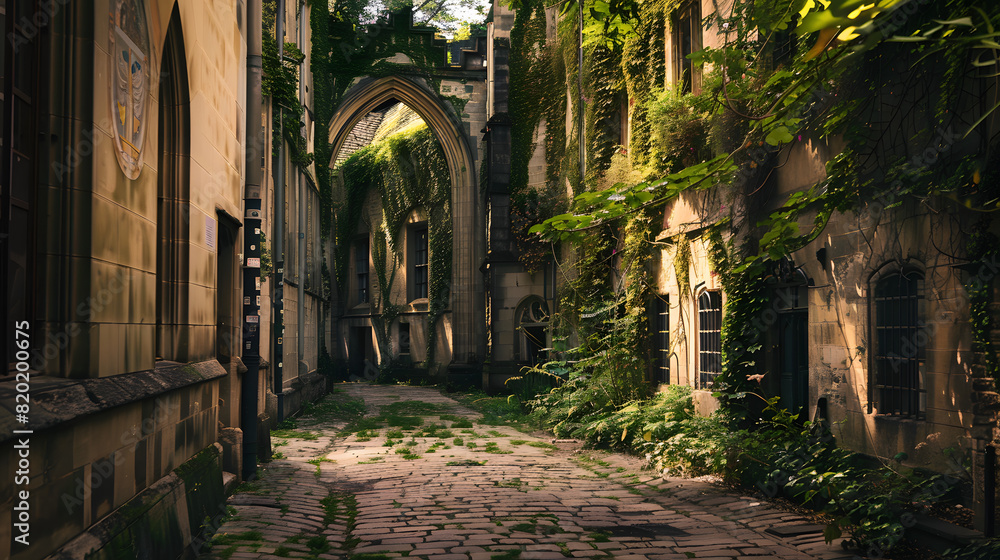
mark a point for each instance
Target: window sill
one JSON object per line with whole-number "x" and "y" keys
{"x": 899, "y": 419}
{"x": 361, "y": 308}
{"x": 420, "y": 304}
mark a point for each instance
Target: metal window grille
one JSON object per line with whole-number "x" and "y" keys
{"x": 709, "y": 337}
{"x": 785, "y": 43}
{"x": 361, "y": 269}
{"x": 900, "y": 340}
{"x": 661, "y": 333}
{"x": 420, "y": 264}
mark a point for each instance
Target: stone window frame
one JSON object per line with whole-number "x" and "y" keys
{"x": 361, "y": 277}
{"x": 416, "y": 290}
{"x": 659, "y": 316}
{"x": 885, "y": 380}
{"x": 173, "y": 196}
{"x": 687, "y": 17}
{"x": 709, "y": 339}
{"x": 21, "y": 102}
{"x": 523, "y": 309}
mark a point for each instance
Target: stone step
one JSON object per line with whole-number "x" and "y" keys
{"x": 939, "y": 535}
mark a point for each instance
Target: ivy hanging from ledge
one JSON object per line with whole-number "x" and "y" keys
{"x": 280, "y": 82}
{"x": 405, "y": 172}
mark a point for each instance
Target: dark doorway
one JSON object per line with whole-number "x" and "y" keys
{"x": 534, "y": 342}
{"x": 791, "y": 346}
{"x": 532, "y": 318}
{"x": 360, "y": 351}
{"x": 226, "y": 340}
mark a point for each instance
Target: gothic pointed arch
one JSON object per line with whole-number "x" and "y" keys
{"x": 468, "y": 247}
{"x": 173, "y": 195}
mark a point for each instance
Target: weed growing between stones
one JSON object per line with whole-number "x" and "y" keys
{"x": 222, "y": 539}
{"x": 334, "y": 407}
{"x": 496, "y": 411}
{"x": 507, "y": 555}
{"x": 492, "y": 447}
{"x": 465, "y": 463}
{"x": 317, "y": 462}
{"x": 414, "y": 408}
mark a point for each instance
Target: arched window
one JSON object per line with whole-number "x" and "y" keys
{"x": 899, "y": 340}
{"x": 709, "y": 337}
{"x": 661, "y": 339}
{"x": 532, "y": 320}
{"x": 173, "y": 200}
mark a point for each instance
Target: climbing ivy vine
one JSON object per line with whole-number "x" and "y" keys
{"x": 404, "y": 172}
{"x": 843, "y": 68}
{"x": 280, "y": 82}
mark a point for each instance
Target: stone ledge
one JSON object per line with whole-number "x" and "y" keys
{"x": 166, "y": 517}
{"x": 55, "y": 400}
{"x": 940, "y": 535}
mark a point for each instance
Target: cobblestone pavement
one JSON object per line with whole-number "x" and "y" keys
{"x": 483, "y": 492}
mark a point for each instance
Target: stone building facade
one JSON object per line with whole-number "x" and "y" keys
{"x": 869, "y": 325}
{"x": 125, "y": 154}
{"x": 451, "y": 101}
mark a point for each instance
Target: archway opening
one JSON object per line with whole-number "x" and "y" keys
{"x": 429, "y": 240}
{"x": 394, "y": 241}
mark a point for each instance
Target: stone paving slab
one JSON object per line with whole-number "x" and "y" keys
{"x": 485, "y": 492}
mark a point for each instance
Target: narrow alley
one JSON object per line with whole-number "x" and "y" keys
{"x": 452, "y": 487}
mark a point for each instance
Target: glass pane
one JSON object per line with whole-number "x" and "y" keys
{"x": 24, "y": 65}
{"x": 21, "y": 179}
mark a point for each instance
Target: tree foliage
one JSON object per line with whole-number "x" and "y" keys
{"x": 781, "y": 103}
{"x": 449, "y": 16}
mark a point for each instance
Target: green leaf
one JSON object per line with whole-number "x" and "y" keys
{"x": 832, "y": 532}
{"x": 815, "y": 21}
{"x": 960, "y": 21}
{"x": 779, "y": 135}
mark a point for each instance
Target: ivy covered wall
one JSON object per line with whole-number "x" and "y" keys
{"x": 403, "y": 174}
{"x": 838, "y": 155}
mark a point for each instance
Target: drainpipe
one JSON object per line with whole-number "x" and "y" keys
{"x": 301, "y": 253}
{"x": 990, "y": 490}
{"x": 251, "y": 242}
{"x": 278, "y": 235}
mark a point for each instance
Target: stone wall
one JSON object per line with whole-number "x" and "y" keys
{"x": 97, "y": 443}
{"x": 168, "y": 517}
{"x": 155, "y": 171}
